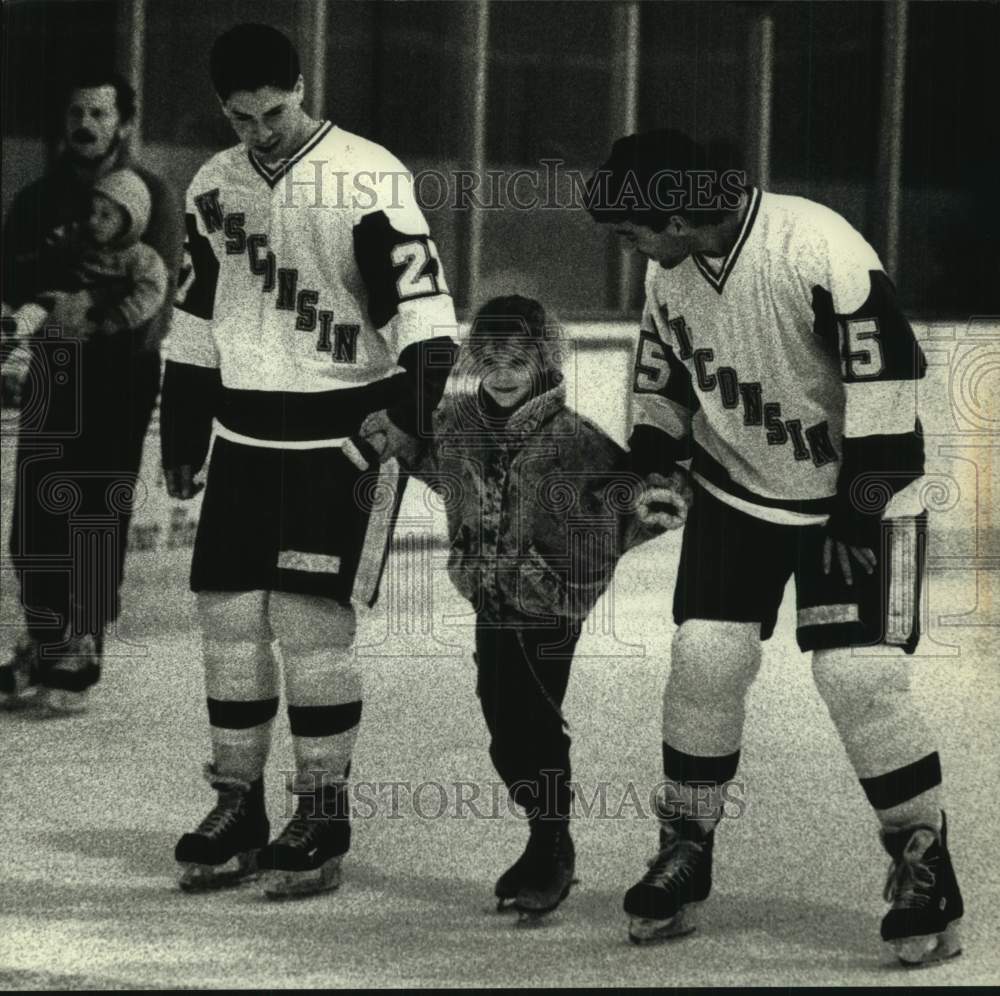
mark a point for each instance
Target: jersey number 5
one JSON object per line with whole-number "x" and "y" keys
{"x": 417, "y": 280}
{"x": 652, "y": 371}
{"x": 861, "y": 349}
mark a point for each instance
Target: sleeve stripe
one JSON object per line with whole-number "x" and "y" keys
{"x": 190, "y": 341}
{"x": 199, "y": 274}
{"x": 662, "y": 413}
{"x": 879, "y": 407}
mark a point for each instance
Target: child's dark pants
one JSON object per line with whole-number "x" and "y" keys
{"x": 523, "y": 671}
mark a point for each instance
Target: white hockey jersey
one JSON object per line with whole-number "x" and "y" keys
{"x": 305, "y": 279}
{"x": 785, "y": 370}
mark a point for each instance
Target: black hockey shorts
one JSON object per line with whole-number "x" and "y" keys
{"x": 735, "y": 567}
{"x": 303, "y": 521}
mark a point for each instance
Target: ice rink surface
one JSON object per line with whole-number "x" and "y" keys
{"x": 92, "y": 807}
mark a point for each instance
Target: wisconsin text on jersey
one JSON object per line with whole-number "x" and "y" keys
{"x": 813, "y": 442}
{"x": 779, "y": 364}
{"x": 304, "y": 298}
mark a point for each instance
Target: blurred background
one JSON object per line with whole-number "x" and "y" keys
{"x": 882, "y": 110}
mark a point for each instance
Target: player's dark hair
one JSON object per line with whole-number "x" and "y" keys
{"x": 251, "y": 56}
{"x": 89, "y": 76}
{"x": 652, "y": 176}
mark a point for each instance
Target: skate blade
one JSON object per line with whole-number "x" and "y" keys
{"x": 278, "y": 884}
{"x": 916, "y": 952}
{"x": 643, "y": 930}
{"x": 207, "y": 878}
{"x": 529, "y": 916}
{"x": 59, "y": 702}
{"x": 21, "y": 699}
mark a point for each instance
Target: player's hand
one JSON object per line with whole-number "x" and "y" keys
{"x": 844, "y": 554}
{"x": 180, "y": 481}
{"x": 378, "y": 440}
{"x": 664, "y": 501}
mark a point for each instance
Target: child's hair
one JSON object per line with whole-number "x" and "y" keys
{"x": 514, "y": 317}
{"x": 251, "y": 56}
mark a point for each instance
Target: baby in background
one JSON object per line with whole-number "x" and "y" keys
{"x": 112, "y": 283}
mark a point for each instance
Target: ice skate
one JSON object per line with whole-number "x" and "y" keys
{"x": 66, "y": 683}
{"x": 305, "y": 857}
{"x": 509, "y": 883}
{"x": 922, "y": 925}
{"x": 19, "y": 675}
{"x": 662, "y": 905}
{"x": 223, "y": 850}
{"x": 546, "y": 874}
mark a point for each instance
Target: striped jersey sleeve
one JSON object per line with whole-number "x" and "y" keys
{"x": 408, "y": 296}
{"x": 191, "y": 379}
{"x": 191, "y": 340}
{"x": 856, "y": 305}
{"x": 663, "y": 399}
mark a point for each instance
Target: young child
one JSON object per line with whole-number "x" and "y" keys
{"x": 538, "y": 506}
{"x": 113, "y": 282}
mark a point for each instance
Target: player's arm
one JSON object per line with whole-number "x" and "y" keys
{"x": 663, "y": 402}
{"x": 165, "y": 234}
{"x": 880, "y": 362}
{"x": 191, "y": 382}
{"x": 409, "y": 302}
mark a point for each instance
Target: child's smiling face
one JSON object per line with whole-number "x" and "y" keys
{"x": 512, "y": 369}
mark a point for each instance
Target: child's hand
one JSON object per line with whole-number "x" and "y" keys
{"x": 664, "y": 501}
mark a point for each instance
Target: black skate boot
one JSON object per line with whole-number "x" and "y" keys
{"x": 223, "y": 850}
{"x": 546, "y": 872}
{"x": 19, "y": 675}
{"x": 922, "y": 925}
{"x": 679, "y": 878}
{"x": 509, "y": 883}
{"x": 305, "y": 857}
{"x": 66, "y": 682}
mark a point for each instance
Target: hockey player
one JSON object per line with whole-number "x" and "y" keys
{"x": 774, "y": 354}
{"x": 538, "y": 504}
{"x": 315, "y": 297}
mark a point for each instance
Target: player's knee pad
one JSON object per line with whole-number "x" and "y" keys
{"x": 307, "y": 624}
{"x": 853, "y": 683}
{"x": 316, "y": 636}
{"x": 234, "y": 617}
{"x": 714, "y": 660}
{"x": 236, "y": 644}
